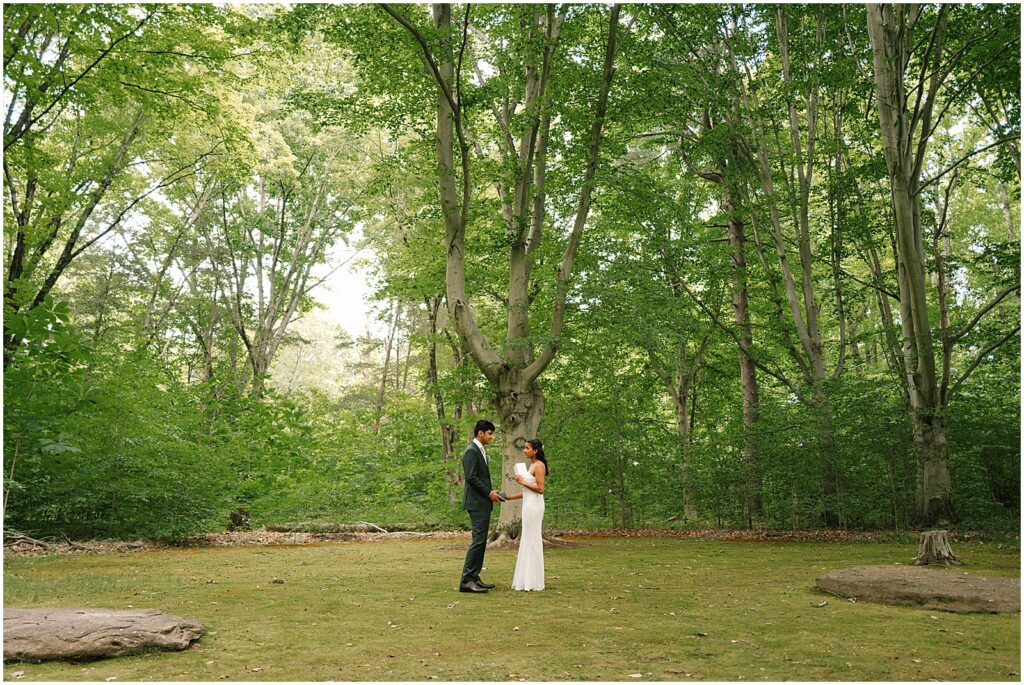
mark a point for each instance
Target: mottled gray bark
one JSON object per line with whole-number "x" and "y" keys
{"x": 47, "y": 634}
{"x": 904, "y": 139}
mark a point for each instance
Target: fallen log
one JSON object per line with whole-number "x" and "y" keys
{"x": 51, "y": 634}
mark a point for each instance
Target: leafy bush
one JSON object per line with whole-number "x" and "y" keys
{"x": 103, "y": 447}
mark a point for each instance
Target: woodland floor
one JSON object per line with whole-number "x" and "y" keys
{"x": 615, "y": 609}
{"x": 14, "y": 548}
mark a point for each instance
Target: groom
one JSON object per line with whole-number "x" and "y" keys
{"x": 478, "y": 499}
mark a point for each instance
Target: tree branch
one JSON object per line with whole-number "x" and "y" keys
{"x": 961, "y": 161}
{"x": 13, "y": 138}
{"x": 981, "y": 356}
{"x": 427, "y": 54}
{"x": 873, "y": 286}
{"x": 956, "y": 337}
{"x": 746, "y": 349}
{"x": 533, "y": 371}
{"x": 446, "y": 91}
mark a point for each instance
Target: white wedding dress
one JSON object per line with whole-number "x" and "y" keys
{"x": 529, "y": 573}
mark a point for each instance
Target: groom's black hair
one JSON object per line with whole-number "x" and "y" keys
{"x": 482, "y": 426}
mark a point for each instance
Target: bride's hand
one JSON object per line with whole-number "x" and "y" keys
{"x": 519, "y": 479}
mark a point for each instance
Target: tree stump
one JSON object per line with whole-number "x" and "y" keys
{"x": 47, "y": 634}
{"x": 934, "y": 549}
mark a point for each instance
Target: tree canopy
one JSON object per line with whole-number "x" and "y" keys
{"x": 736, "y": 265}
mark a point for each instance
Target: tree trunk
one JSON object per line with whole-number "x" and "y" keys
{"x": 625, "y": 517}
{"x": 890, "y": 343}
{"x": 683, "y": 425}
{"x": 104, "y": 301}
{"x": 448, "y": 431}
{"x": 934, "y": 502}
{"x": 1011, "y": 225}
{"x": 891, "y": 41}
{"x": 384, "y": 373}
{"x": 520, "y": 410}
{"x": 830, "y": 509}
{"x": 934, "y": 498}
{"x": 752, "y": 498}
{"x": 680, "y": 382}
{"x": 260, "y": 366}
{"x": 85, "y": 634}
{"x": 207, "y": 340}
{"x": 407, "y": 363}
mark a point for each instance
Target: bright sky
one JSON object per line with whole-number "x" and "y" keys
{"x": 346, "y": 292}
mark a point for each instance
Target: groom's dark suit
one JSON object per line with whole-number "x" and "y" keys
{"x": 476, "y": 499}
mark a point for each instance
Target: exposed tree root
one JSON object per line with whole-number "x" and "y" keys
{"x": 555, "y": 541}
{"x": 503, "y": 540}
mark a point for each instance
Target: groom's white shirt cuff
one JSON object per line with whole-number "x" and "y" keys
{"x": 482, "y": 450}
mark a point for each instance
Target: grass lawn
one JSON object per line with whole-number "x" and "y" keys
{"x": 614, "y": 609}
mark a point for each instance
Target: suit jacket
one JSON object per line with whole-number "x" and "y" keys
{"x": 477, "y": 492}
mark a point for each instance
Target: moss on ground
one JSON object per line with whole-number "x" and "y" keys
{"x": 665, "y": 609}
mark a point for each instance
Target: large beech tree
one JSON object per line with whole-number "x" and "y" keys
{"x": 916, "y": 52}
{"x": 524, "y": 121}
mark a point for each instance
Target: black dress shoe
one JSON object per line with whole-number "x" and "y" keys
{"x": 471, "y": 587}
{"x": 484, "y": 585}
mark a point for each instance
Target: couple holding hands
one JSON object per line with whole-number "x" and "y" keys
{"x": 478, "y": 499}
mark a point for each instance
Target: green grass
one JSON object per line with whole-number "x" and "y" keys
{"x": 666, "y": 609}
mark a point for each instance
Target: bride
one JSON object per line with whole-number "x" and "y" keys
{"x": 529, "y": 573}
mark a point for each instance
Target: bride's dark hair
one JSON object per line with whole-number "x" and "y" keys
{"x": 539, "y": 446}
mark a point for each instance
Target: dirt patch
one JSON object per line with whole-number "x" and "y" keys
{"x": 929, "y": 588}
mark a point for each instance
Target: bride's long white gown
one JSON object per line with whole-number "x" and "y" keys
{"x": 529, "y": 573}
